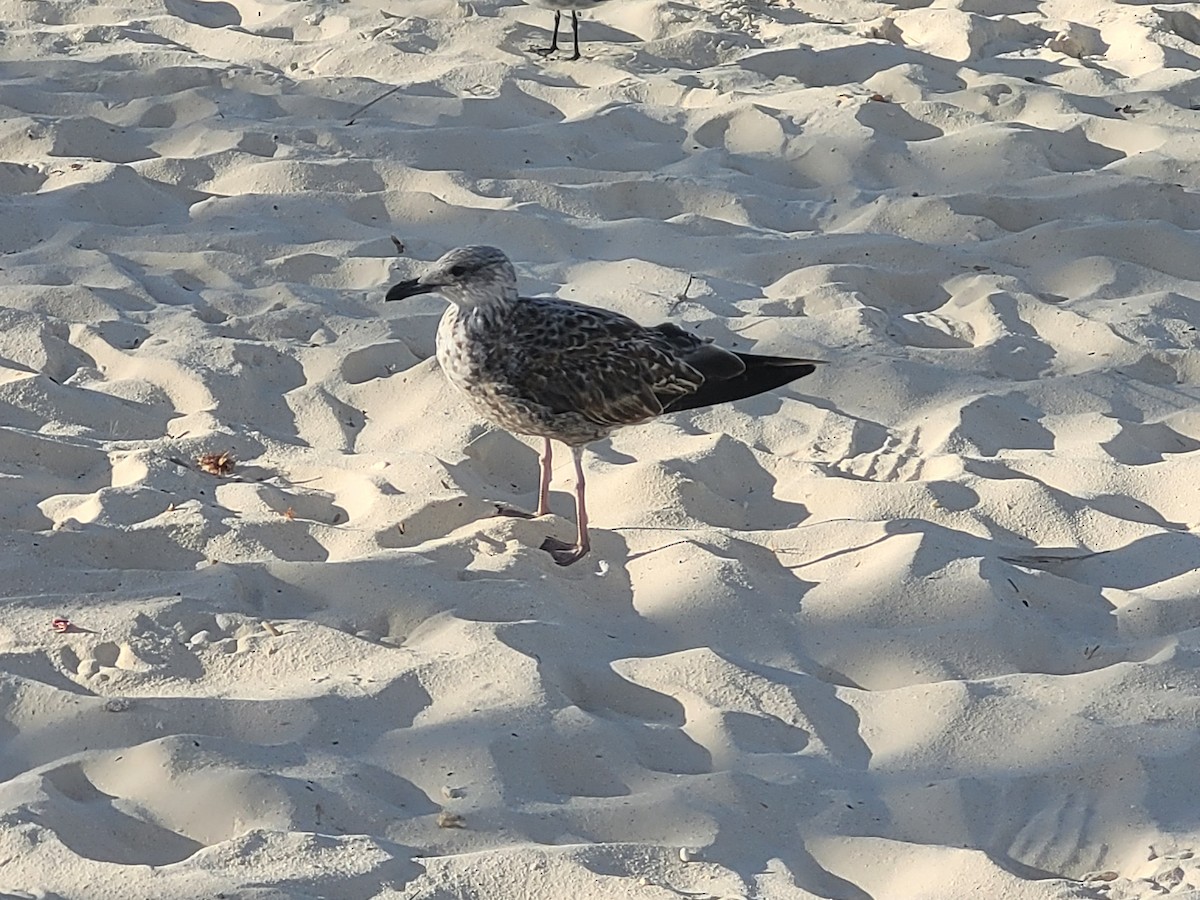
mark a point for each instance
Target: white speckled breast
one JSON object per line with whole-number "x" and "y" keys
{"x": 464, "y": 361}
{"x": 452, "y": 351}
{"x": 551, "y": 368}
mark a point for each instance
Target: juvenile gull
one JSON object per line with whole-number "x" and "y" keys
{"x": 557, "y": 369}
{"x": 558, "y": 6}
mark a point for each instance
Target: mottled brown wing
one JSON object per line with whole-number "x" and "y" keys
{"x": 602, "y": 365}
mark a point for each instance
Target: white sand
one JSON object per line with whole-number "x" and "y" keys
{"x": 801, "y": 651}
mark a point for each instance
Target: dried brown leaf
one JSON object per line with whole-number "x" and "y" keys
{"x": 219, "y": 464}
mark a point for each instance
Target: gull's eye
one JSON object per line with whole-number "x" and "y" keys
{"x": 458, "y": 271}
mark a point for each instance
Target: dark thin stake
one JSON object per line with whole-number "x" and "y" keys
{"x": 682, "y": 295}
{"x": 363, "y": 109}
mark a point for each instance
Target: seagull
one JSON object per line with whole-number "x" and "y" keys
{"x": 558, "y": 6}
{"x": 561, "y": 370}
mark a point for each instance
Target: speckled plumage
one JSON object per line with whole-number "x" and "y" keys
{"x": 569, "y": 372}
{"x": 556, "y": 369}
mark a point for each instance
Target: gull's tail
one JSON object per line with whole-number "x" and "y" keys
{"x": 762, "y": 373}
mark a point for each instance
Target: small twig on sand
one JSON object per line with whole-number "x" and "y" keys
{"x": 682, "y": 296}
{"x": 399, "y": 245}
{"x": 364, "y": 108}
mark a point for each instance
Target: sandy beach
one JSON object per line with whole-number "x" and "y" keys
{"x": 925, "y": 624}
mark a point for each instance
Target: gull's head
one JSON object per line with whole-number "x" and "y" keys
{"x": 466, "y": 276}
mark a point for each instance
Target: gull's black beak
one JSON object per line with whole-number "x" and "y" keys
{"x": 408, "y": 288}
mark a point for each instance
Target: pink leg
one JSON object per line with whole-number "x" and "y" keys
{"x": 565, "y": 554}
{"x": 543, "y": 507}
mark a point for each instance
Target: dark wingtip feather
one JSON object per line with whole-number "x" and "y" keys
{"x": 763, "y": 373}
